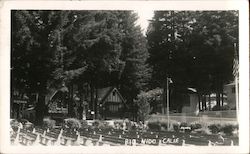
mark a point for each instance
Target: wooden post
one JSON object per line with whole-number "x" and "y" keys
{"x": 168, "y": 104}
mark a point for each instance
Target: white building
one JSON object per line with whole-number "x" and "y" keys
{"x": 229, "y": 90}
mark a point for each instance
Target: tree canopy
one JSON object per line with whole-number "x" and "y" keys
{"x": 55, "y": 49}
{"x": 51, "y": 49}
{"x": 194, "y": 48}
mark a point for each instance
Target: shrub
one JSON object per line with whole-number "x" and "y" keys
{"x": 228, "y": 129}
{"x": 176, "y": 127}
{"x": 14, "y": 124}
{"x": 72, "y": 123}
{"x": 195, "y": 126}
{"x": 205, "y": 130}
{"x": 164, "y": 125}
{"x": 98, "y": 124}
{"x": 29, "y": 126}
{"x": 104, "y": 125}
{"x": 143, "y": 106}
{"x": 214, "y": 128}
{"x": 84, "y": 123}
{"x": 183, "y": 124}
{"x": 118, "y": 124}
{"x": 226, "y": 107}
{"x": 154, "y": 126}
{"x": 133, "y": 127}
{"x": 49, "y": 123}
{"x": 219, "y": 108}
{"x": 216, "y": 108}
{"x": 128, "y": 124}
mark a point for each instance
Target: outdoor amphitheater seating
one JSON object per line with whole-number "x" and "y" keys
{"x": 69, "y": 138}
{"x": 29, "y": 138}
{"x": 51, "y": 137}
{"x": 22, "y": 132}
{"x": 39, "y": 131}
{"x": 88, "y": 136}
{"x": 113, "y": 140}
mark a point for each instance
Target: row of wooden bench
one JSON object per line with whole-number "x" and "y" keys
{"x": 44, "y": 137}
{"x": 101, "y": 137}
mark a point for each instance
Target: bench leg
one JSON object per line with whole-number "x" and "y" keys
{"x": 41, "y": 140}
{"x": 68, "y": 142}
{"x": 31, "y": 142}
{"x": 20, "y": 138}
{"x": 25, "y": 141}
{"x": 89, "y": 142}
{"x": 83, "y": 141}
{"x": 49, "y": 142}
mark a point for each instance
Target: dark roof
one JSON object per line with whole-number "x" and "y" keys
{"x": 103, "y": 93}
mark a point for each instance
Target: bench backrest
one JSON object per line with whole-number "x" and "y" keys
{"x": 31, "y": 135}
{"x": 197, "y": 141}
{"x": 39, "y": 130}
{"x": 114, "y": 139}
{"x": 70, "y": 134}
{"x": 55, "y": 131}
{"x": 24, "y": 131}
{"x": 52, "y": 135}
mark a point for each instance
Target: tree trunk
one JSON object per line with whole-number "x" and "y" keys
{"x": 218, "y": 99}
{"x": 164, "y": 98}
{"x": 40, "y": 109}
{"x": 222, "y": 98}
{"x": 209, "y": 102}
{"x": 92, "y": 101}
{"x": 199, "y": 100}
{"x": 96, "y": 104}
{"x": 205, "y": 101}
{"x": 70, "y": 104}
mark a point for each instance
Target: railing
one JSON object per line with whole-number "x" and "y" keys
{"x": 209, "y": 117}
{"x": 218, "y": 114}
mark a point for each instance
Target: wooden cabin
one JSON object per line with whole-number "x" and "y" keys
{"x": 18, "y": 103}
{"x": 230, "y": 92}
{"x": 108, "y": 104}
{"x": 57, "y": 103}
{"x": 111, "y": 103}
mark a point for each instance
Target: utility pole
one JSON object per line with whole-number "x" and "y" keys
{"x": 236, "y": 74}
{"x": 168, "y": 103}
{"x": 167, "y": 91}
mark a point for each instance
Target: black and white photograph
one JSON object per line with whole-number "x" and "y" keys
{"x": 162, "y": 78}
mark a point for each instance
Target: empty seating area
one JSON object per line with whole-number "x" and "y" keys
{"x": 112, "y": 137}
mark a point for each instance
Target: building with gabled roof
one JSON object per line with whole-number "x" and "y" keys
{"x": 111, "y": 103}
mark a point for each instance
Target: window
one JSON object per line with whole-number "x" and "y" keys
{"x": 113, "y": 108}
{"x": 233, "y": 90}
{"x": 113, "y": 93}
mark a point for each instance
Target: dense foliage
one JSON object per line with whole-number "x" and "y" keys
{"x": 54, "y": 49}
{"x": 194, "y": 48}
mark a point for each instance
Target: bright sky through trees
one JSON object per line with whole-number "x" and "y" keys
{"x": 144, "y": 17}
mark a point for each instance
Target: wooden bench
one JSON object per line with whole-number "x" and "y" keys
{"x": 69, "y": 138}
{"x": 197, "y": 141}
{"x": 13, "y": 137}
{"x": 113, "y": 140}
{"x": 22, "y": 133}
{"x": 29, "y": 138}
{"x": 52, "y": 137}
{"x": 89, "y": 137}
{"x": 39, "y": 131}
